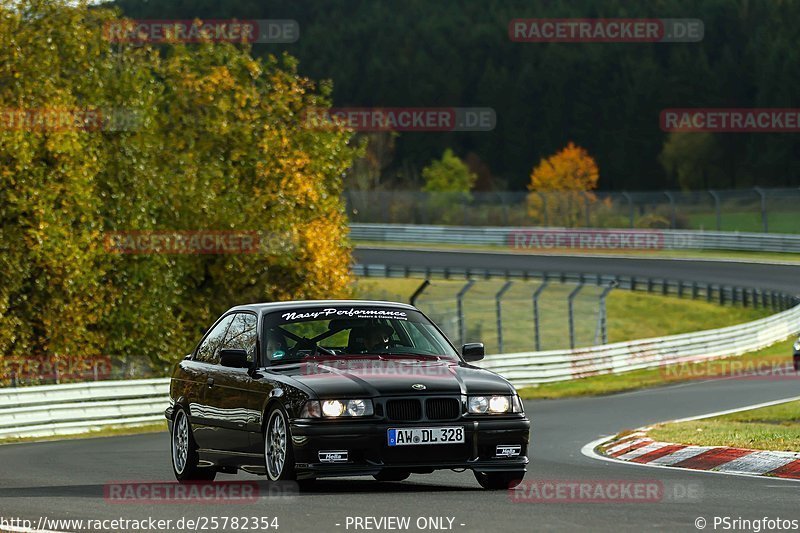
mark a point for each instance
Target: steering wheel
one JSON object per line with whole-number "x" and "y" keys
{"x": 309, "y": 345}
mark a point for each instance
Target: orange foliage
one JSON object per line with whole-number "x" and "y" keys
{"x": 561, "y": 185}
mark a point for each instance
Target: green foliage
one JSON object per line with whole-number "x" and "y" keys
{"x": 695, "y": 159}
{"x": 450, "y": 180}
{"x": 217, "y": 145}
{"x": 448, "y": 174}
{"x": 606, "y": 97}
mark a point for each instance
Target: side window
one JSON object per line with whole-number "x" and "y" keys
{"x": 242, "y": 334}
{"x": 209, "y": 349}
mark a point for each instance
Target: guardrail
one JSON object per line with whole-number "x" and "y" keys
{"x": 532, "y": 368}
{"x": 522, "y": 238}
{"x": 756, "y": 209}
{"x": 711, "y": 292}
{"x": 52, "y": 410}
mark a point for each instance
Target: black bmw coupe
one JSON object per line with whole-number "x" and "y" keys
{"x": 309, "y": 389}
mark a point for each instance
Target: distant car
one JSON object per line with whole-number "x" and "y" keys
{"x": 311, "y": 389}
{"x": 797, "y": 355}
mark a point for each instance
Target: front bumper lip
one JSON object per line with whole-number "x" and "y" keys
{"x": 369, "y": 452}
{"x": 517, "y": 464}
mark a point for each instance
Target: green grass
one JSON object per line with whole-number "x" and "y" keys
{"x": 630, "y": 314}
{"x": 111, "y": 431}
{"x": 777, "y": 221}
{"x": 778, "y": 354}
{"x": 663, "y": 254}
{"x": 769, "y": 428}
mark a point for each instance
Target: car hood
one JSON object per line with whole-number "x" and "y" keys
{"x": 372, "y": 376}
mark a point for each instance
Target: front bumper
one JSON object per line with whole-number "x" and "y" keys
{"x": 368, "y": 452}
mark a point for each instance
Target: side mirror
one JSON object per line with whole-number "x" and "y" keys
{"x": 473, "y": 351}
{"x": 233, "y": 358}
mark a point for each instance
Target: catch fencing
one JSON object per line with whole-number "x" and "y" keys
{"x": 79, "y": 408}
{"x": 752, "y": 210}
{"x": 533, "y": 368}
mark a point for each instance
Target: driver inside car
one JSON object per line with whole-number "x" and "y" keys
{"x": 377, "y": 338}
{"x": 276, "y": 344}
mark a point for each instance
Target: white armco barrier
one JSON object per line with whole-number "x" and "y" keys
{"x": 78, "y": 408}
{"x": 533, "y": 238}
{"x": 532, "y": 368}
{"x": 81, "y": 407}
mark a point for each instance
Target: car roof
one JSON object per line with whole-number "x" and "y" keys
{"x": 267, "y": 307}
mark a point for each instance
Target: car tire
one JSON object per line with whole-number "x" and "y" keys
{"x": 499, "y": 480}
{"x": 278, "y": 451}
{"x": 392, "y": 475}
{"x": 185, "y": 459}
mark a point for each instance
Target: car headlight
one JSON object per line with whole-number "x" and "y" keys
{"x": 336, "y": 408}
{"x": 494, "y": 405}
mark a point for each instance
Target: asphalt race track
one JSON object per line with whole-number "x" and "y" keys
{"x": 768, "y": 276}
{"x": 69, "y": 479}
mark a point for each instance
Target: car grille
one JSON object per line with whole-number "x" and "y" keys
{"x": 404, "y": 409}
{"x": 442, "y": 408}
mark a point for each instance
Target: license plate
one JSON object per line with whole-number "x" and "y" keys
{"x": 420, "y": 436}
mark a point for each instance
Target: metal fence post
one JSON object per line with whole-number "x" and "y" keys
{"x": 764, "y": 218}
{"x": 570, "y": 301}
{"x": 630, "y": 206}
{"x": 602, "y": 323}
{"x": 717, "y": 208}
{"x": 588, "y": 210}
{"x": 544, "y": 207}
{"x": 497, "y": 298}
{"x": 460, "y": 309}
{"x": 672, "y": 216}
{"x": 536, "y": 295}
{"x": 419, "y": 291}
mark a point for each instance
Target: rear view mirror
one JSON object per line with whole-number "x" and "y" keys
{"x": 233, "y": 358}
{"x": 472, "y": 351}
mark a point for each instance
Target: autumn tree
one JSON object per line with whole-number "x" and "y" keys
{"x": 448, "y": 181}
{"x": 561, "y": 186}
{"x": 217, "y": 144}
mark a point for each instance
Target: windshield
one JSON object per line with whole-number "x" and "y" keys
{"x": 350, "y": 331}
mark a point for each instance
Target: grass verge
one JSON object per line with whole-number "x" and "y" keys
{"x": 759, "y": 257}
{"x": 776, "y": 355}
{"x": 774, "y": 428}
{"x": 630, "y": 315}
{"x": 111, "y": 431}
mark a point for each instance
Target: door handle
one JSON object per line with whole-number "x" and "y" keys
{"x": 210, "y": 382}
